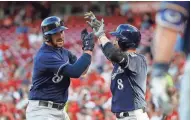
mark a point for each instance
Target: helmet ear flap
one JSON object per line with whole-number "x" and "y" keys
{"x": 47, "y": 38}
{"x": 122, "y": 37}
{"x": 125, "y": 45}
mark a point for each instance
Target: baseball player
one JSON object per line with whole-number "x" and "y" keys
{"x": 128, "y": 81}
{"x": 53, "y": 68}
{"x": 172, "y": 18}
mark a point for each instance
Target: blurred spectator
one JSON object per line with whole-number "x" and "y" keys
{"x": 147, "y": 21}
{"x": 42, "y": 9}
{"x": 7, "y": 22}
{"x": 94, "y": 7}
{"x": 124, "y": 7}
{"x": 22, "y": 28}
{"x": 45, "y": 9}
{"x": 130, "y": 17}
{"x": 35, "y": 37}
{"x": 112, "y": 8}
{"x": 5, "y": 8}
{"x": 76, "y": 9}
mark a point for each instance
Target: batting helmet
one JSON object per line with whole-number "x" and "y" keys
{"x": 128, "y": 36}
{"x": 52, "y": 25}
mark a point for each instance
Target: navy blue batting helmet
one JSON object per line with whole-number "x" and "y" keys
{"x": 128, "y": 36}
{"x": 52, "y": 25}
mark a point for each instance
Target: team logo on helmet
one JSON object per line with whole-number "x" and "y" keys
{"x": 57, "y": 24}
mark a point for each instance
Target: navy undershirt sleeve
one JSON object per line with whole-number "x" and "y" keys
{"x": 76, "y": 70}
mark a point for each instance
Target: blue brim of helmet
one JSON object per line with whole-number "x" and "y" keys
{"x": 56, "y": 30}
{"x": 114, "y": 34}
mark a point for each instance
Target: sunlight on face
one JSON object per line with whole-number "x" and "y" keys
{"x": 58, "y": 39}
{"x": 115, "y": 42}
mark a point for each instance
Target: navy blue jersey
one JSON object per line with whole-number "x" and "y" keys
{"x": 48, "y": 83}
{"x": 128, "y": 84}
{"x": 176, "y": 15}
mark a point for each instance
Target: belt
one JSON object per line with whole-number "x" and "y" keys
{"x": 50, "y": 104}
{"x": 126, "y": 114}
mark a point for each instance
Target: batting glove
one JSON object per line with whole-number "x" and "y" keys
{"x": 96, "y": 25}
{"x": 87, "y": 40}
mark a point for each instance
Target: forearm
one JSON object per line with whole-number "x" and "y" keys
{"x": 85, "y": 71}
{"x": 164, "y": 44}
{"x": 79, "y": 67}
{"x": 163, "y": 49}
{"x": 103, "y": 40}
{"x": 88, "y": 52}
{"x": 111, "y": 52}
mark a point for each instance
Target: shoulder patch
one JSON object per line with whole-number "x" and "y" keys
{"x": 172, "y": 16}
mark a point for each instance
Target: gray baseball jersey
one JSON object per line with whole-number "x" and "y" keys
{"x": 128, "y": 84}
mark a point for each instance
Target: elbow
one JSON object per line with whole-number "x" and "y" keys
{"x": 109, "y": 50}
{"x": 72, "y": 72}
{"x": 111, "y": 55}
{"x": 76, "y": 75}
{"x": 84, "y": 72}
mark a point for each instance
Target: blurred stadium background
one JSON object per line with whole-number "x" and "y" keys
{"x": 89, "y": 96}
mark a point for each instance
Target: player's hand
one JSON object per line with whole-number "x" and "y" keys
{"x": 99, "y": 31}
{"x": 87, "y": 40}
{"x": 96, "y": 25}
{"x": 90, "y": 15}
{"x": 93, "y": 23}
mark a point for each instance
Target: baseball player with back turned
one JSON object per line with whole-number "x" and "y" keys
{"x": 128, "y": 84}
{"x": 53, "y": 68}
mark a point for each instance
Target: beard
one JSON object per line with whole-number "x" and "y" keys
{"x": 58, "y": 43}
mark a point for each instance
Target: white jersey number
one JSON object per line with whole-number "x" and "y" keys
{"x": 120, "y": 84}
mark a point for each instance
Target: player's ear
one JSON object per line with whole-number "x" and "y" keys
{"x": 115, "y": 43}
{"x": 46, "y": 38}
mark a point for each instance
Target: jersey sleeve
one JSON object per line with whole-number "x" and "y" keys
{"x": 76, "y": 70}
{"x": 113, "y": 54}
{"x": 135, "y": 62}
{"x": 173, "y": 14}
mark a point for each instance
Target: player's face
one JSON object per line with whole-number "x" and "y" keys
{"x": 58, "y": 39}
{"x": 115, "y": 43}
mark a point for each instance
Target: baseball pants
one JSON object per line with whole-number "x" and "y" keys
{"x": 135, "y": 115}
{"x": 36, "y": 112}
